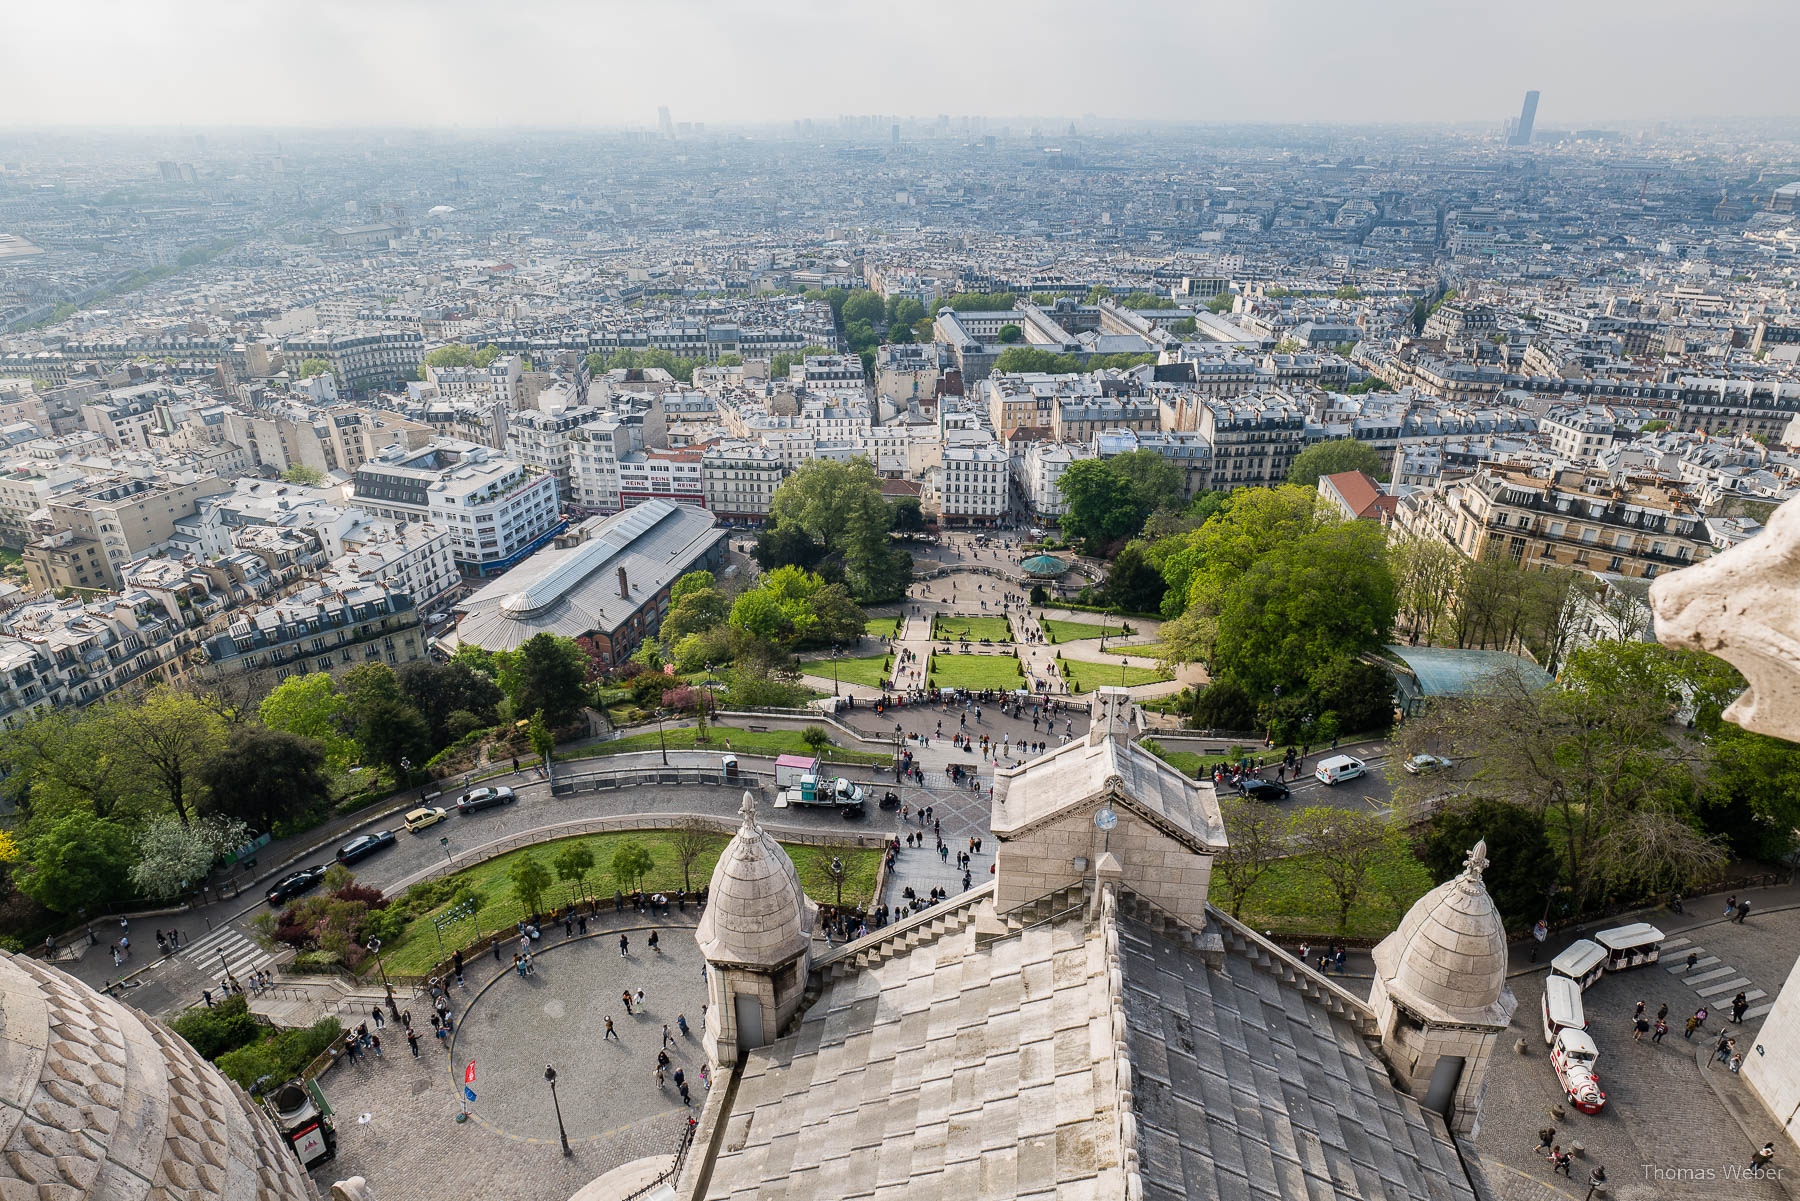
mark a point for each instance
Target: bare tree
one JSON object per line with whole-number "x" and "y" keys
{"x": 1427, "y": 576}
{"x": 690, "y": 840}
{"x": 1658, "y": 849}
{"x": 1257, "y": 836}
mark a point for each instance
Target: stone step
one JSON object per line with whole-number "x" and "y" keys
{"x": 1725, "y": 986}
{"x": 1703, "y": 977}
{"x": 1681, "y": 967}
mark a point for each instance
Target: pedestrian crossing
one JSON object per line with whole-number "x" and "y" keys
{"x": 1709, "y": 978}
{"x": 226, "y": 949}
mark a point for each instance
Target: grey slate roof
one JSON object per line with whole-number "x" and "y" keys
{"x": 575, "y": 590}
{"x": 1244, "y": 1089}
{"x": 1075, "y": 772}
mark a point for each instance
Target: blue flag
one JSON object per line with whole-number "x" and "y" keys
{"x": 468, "y": 1092}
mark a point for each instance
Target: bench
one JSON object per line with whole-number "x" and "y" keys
{"x": 757, "y": 729}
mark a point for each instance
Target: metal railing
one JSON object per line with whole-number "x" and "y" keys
{"x": 673, "y": 1170}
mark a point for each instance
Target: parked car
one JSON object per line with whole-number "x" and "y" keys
{"x": 362, "y": 848}
{"x": 1263, "y": 790}
{"x": 295, "y": 883}
{"x": 1338, "y": 768}
{"x": 482, "y": 798}
{"x": 418, "y": 819}
{"x": 1423, "y": 764}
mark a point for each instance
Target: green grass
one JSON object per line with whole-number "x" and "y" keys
{"x": 953, "y": 629}
{"x": 871, "y": 672}
{"x": 1292, "y": 898}
{"x": 882, "y": 627}
{"x": 1149, "y": 650}
{"x": 747, "y": 742}
{"x": 1075, "y": 631}
{"x": 976, "y": 671}
{"x": 416, "y": 950}
{"x": 1085, "y": 677}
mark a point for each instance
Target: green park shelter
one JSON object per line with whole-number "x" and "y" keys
{"x": 1424, "y": 673}
{"x": 1044, "y": 567}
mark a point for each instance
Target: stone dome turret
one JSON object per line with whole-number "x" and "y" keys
{"x": 99, "y": 1102}
{"x": 756, "y": 914}
{"x": 1447, "y": 961}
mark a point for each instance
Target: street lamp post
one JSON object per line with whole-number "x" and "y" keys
{"x": 834, "y": 675}
{"x": 550, "y": 1075}
{"x": 660, "y": 740}
{"x": 406, "y": 766}
{"x": 375, "y": 950}
{"x": 222, "y": 963}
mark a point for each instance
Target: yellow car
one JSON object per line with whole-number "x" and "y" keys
{"x": 418, "y": 819}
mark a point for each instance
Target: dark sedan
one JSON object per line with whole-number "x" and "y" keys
{"x": 1264, "y": 790}
{"x": 292, "y": 885}
{"x": 362, "y": 848}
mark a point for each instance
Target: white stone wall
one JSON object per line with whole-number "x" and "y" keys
{"x": 1770, "y": 1067}
{"x": 1153, "y": 865}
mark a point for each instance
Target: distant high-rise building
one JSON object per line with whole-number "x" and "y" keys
{"x": 894, "y": 135}
{"x": 663, "y": 121}
{"x": 1518, "y": 132}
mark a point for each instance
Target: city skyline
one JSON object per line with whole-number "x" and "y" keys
{"x": 404, "y": 64}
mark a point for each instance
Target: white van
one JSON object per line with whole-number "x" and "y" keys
{"x": 1339, "y": 767}
{"x": 1562, "y": 1007}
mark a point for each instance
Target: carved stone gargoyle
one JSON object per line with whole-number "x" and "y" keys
{"x": 1744, "y": 606}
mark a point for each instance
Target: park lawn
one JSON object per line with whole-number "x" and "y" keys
{"x": 871, "y": 672}
{"x": 1147, "y": 650}
{"x": 953, "y": 629}
{"x": 1085, "y": 677}
{"x": 976, "y": 671}
{"x": 746, "y": 742}
{"x": 1294, "y": 899}
{"x": 882, "y": 627}
{"x": 1075, "y": 631}
{"x": 416, "y": 951}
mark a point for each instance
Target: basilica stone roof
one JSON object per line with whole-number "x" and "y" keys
{"x": 1447, "y": 961}
{"x": 100, "y": 1103}
{"x": 756, "y": 914}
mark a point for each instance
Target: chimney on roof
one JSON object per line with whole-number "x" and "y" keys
{"x": 624, "y": 585}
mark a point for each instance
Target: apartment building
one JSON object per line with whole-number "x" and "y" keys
{"x": 126, "y": 417}
{"x": 672, "y": 475}
{"x": 361, "y": 359}
{"x": 975, "y": 486}
{"x": 829, "y": 374}
{"x": 95, "y": 531}
{"x": 339, "y": 623}
{"x": 1039, "y": 471}
{"x": 27, "y": 485}
{"x": 1578, "y": 434}
{"x": 414, "y": 558}
{"x": 1737, "y": 406}
{"x": 539, "y": 438}
{"x": 1188, "y": 452}
{"x": 63, "y": 654}
{"x": 594, "y": 453}
{"x": 1254, "y": 438}
{"x": 1081, "y": 420}
{"x": 1639, "y": 526}
{"x": 738, "y": 480}
{"x": 501, "y": 378}
{"x": 496, "y": 510}
{"x": 908, "y": 371}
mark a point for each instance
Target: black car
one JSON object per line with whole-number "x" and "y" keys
{"x": 481, "y": 798}
{"x": 362, "y": 848}
{"x": 1264, "y": 790}
{"x": 292, "y": 885}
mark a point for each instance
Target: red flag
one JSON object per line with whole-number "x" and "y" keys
{"x": 469, "y": 1073}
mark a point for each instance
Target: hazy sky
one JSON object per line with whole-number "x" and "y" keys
{"x": 565, "y": 62}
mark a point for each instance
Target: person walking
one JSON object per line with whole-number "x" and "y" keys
{"x": 1662, "y": 1011}
{"x": 375, "y": 1016}
{"x": 1639, "y": 1028}
{"x": 655, "y": 943}
{"x": 375, "y": 1044}
{"x": 642, "y": 1008}
{"x": 610, "y": 1032}
{"x": 626, "y": 997}
{"x": 667, "y": 1037}
{"x": 1693, "y": 1023}
{"x": 624, "y": 945}
{"x": 1559, "y": 1161}
{"x": 1730, "y": 906}
{"x": 1638, "y": 1012}
{"x": 681, "y": 1024}
{"x": 412, "y": 1040}
{"x": 1662, "y": 1028}
{"x": 1759, "y": 1160}
{"x": 1546, "y": 1140}
{"x": 1692, "y": 959}
{"x": 1739, "y": 1003}
{"x": 1743, "y": 911}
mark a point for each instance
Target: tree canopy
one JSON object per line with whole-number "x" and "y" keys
{"x": 1329, "y": 458}
{"x": 839, "y": 506}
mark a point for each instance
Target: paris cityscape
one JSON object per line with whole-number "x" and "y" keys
{"x": 1206, "y": 607}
